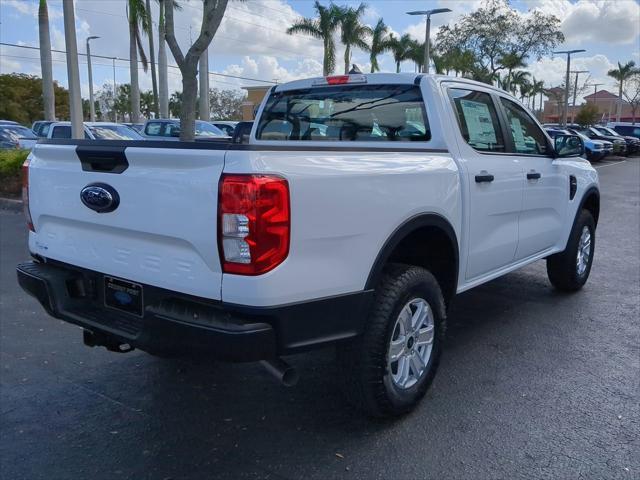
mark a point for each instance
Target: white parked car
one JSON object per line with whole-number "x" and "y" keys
{"x": 95, "y": 131}
{"x": 168, "y": 129}
{"x": 358, "y": 235}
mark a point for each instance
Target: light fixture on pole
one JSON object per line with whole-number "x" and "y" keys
{"x": 566, "y": 85}
{"x": 575, "y": 93}
{"x": 428, "y": 13}
{"x": 92, "y": 107}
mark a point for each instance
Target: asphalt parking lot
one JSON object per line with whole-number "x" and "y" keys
{"x": 533, "y": 384}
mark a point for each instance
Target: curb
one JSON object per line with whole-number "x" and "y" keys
{"x": 10, "y": 204}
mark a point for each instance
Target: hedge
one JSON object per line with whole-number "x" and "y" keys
{"x": 10, "y": 176}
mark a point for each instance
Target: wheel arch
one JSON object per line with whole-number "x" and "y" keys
{"x": 591, "y": 202}
{"x": 436, "y": 234}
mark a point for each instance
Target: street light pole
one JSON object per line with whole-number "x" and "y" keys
{"x": 75, "y": 99}
{"x": 566, "y": 84}
{"x": 428, "y": 13}
{"x": 575, "y": 92}
{"x": 92, "y": 107}
{"x": 115, "y": 114}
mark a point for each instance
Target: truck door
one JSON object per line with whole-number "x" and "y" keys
{"x": 546, "y": 188}
{"x": 494, "y": 178}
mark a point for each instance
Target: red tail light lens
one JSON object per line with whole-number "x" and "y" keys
{"x": 253, "y": 223}
{"x": 25, "y": 194}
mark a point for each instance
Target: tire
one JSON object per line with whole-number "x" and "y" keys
{"x": 371, "y": 382}
{"x": 565, "y": 270}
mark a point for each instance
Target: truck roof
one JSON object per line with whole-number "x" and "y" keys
{"x": 381, "y": 79}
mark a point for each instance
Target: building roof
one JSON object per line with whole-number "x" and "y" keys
{"x": 601, "y": 95}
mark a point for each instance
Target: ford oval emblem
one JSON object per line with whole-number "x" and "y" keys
{"x": 100, "y": 197}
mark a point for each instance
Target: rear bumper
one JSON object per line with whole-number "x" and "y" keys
{"x": 182, "y": 324}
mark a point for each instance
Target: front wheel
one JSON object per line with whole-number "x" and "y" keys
{"x": 388, "y": 369}
{"x": 569, "y": 270}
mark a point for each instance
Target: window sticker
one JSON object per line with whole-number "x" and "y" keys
{"x": 479, "y": 122}
{"x": 518, "y": 134}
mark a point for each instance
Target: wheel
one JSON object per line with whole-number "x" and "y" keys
{"x": 388, "y": 369}
{"x": 569, "y": 270}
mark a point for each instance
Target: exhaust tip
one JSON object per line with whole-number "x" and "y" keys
{"x": 282, "y": 371}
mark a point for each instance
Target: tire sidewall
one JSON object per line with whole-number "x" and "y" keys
{"x": 585, "y": 220}
{"x": 405, "y": 398}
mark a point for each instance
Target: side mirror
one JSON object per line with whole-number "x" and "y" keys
{"x": 568, "y": 146}
{"x": 175, "y": 132}
{"x": 242, "y": 132}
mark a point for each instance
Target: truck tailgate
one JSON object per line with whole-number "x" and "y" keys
{"x": 162, "y": 233}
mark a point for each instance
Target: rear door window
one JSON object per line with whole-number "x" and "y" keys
{"x": 478, "y": 120}
{"x": 370, "y": 113}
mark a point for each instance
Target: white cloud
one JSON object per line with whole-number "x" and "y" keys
{"x": 603, "y": 21}
{"x": 268, "y": 68}
{"x": 553, "y": 70}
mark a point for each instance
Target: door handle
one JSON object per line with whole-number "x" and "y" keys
{"x": 533, "y": 176}
{"x": 485, "y": 177}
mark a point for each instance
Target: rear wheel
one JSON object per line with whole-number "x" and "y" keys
{"x": 569, "y": 270}
{"x": 388, "y": 369}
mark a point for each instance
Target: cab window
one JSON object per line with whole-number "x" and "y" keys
{"x": 527, "y": 137}
{"x": 478, "y": 120}
{"x": 370, "y": 113}
{"x": 153, "y": 129}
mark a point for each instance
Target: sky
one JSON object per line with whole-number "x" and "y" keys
{"x": 252, "y": 42}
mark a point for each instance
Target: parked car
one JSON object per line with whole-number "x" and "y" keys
{"x": 95, "y": 131}
{"x": 138, "y": 127}
{"x": 8, "y": 122}
{"x": 619, "y": 145}
{"x": 228, "y": 127}
{"x": 358, "y": 238}
{"x": 628, "y": 129}
{"x": 16, "y": 136}
{"x": 633, "y": 144}
{"x": 600, "y": 149}
{"x": 41, "y": 127}
{"x": 168, "y": 129}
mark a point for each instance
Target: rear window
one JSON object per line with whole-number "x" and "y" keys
{"x": 114, "y": 132}
{"x": 370, "y": 113}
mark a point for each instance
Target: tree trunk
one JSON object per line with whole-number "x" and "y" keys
{"x": 347, "y": 59}
{"x": 133, "y": 71}
{"x": 48, "y": 96}
{"x": 397, "y": 66}
{"x": 152, "y": 59}
{"x": 325, "y": 59}
{"x": 188, "y": 107}
{"x": 163, "y": 72}
{"x": 203, "y": 71}
{"x": 619, "y": 109}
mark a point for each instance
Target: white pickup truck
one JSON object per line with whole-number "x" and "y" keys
{"x": 360, "y": 206}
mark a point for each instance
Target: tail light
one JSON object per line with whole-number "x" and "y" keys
{"x": 25, "y": 194}
{"x": 253, "y": 223}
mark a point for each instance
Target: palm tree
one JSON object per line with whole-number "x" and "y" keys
{"x": 511, "y": 61}
{"x": 48, "y": 95}
{"x": 518, "y": 79}
{"x": 353, "y": 32}
{"x": 137, "y": 18}
{"x": 163, "y": 86}
{"x": 152, "y": 57}
{"x": 322, "y": 27}
{"x": 537, "y": 88}
{"x": 622, "y": 74}
{"x": 400, "y": 48}
{"x": 379, "y": 44}
{"x": 416, "y": 53}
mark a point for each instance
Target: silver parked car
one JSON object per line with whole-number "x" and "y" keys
{"x": 16, "y": 136}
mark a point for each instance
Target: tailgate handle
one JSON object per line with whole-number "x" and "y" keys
{"x": 105, "y": 159}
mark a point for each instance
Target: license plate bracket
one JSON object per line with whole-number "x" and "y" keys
{"x": 124, "y": 296}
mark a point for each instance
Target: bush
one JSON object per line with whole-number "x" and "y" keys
{"x": 588, "y": 115}
{"x": 10, "y": 176}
